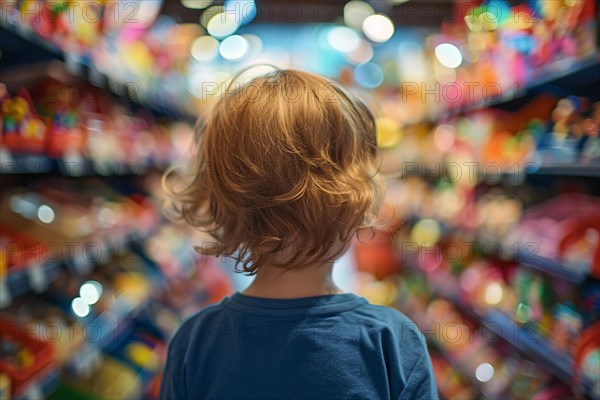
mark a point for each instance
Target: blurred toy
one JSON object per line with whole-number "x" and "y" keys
{"x": 15, "y": 354}
{"x": 566, "y": 328}
{"x": 23, "y": 130}
{"x": 143, "y": 353}
{"x": 590, "y": 143}
{"x": 586, "y": 361}
{"x": 506, "y": 148}
{"x": 102, "y": 143}
{"x": 580, "y": 242}
{"x": 51, "y": 22}
{"x": 22, "y": 354}
{"x": 50, "y": 323}
{"x": 566, "y": 225}
{"x": 4, "y": 387}
{"x": 111, "y": 380}
{"x": 535, "y": 301}
{"x": 588, "y": 303}
{"x": 66, "y": 134}
{"x": 497, "y": 214}
{"x": 30, "y": 12}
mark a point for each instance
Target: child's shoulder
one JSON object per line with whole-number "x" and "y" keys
{"x": 384, "y": 314}
{"x": 198, "y": 321}
{"x": 390, "y": 320}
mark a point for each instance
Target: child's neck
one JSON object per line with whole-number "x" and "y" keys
{"x": 279, "y": 283}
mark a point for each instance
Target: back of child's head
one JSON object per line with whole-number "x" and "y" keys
{"x": 284, "y": 173}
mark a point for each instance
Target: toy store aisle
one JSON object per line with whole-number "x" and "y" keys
{"x": 488, "y": 115}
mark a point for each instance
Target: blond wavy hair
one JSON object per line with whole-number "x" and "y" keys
{"x": 284, "y": 172}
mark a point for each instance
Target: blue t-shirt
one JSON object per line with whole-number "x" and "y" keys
{"x": 323, "y": 347}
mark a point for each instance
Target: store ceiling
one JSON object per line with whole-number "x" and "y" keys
{"x": 408, "y": 13}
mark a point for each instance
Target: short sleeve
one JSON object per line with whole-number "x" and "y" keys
{"x": 421, "y": 381}
{"x": 173, "y": 383}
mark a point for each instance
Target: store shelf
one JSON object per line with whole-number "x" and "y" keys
{"x": 546, "y": 76}
{"x": 529, "y": 342}
{"x": 495, "y": 176}
{"x": 550, "y": 267}
{"x": 26, "y": 42}
{"x": 19, "y": 164}
{"x": 108, "y": 328}
{"x": 31, "y": 164}
{"x": 526, "y": 340}
{"x": 36, "y": 278}
{"x": 548, "y": 170}
{"x": 567, "y": 170}
{"x": 111, "y": 326}
{"x": 33, "y": 278}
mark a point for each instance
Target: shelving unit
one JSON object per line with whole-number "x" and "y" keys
{"x": 29, "y": 279}
{"x": 25, "y": 47}
{"x": 40, "y": 165}
{"x": 524, "y": 339}
{"x": 111, "y": 325}
{"x": 28, "y": 58}
{"x": 551, "y": 267}
{"x": 592, "y": 171}
{"x": 550, "y": 75}
{"x": 508, "y": 176}
{"x": 531, "y": 344}
{"x": 24, "y": 41}
{"x": 36, "y": 278}
{"x": 29, "y": 42}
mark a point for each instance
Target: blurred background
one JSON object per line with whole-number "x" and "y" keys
{"x": 488, "y": 119}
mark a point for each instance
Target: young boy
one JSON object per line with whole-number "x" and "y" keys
{"x": 285, "y": 175}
